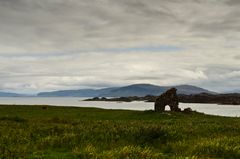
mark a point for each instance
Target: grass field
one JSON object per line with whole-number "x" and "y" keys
{"x": 68, "y": 132}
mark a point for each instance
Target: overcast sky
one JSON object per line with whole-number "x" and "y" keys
{"x": 70, "y": 44}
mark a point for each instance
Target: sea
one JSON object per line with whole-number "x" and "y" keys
{"x": 212, "y": 109}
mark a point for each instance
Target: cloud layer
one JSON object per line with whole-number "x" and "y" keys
{"x": 71, "y": 44}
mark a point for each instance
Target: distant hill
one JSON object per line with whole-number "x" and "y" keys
{"x": 6, "y": 94}
{"x": 233, "y": 91}
{"x": 77, "y": 93}
{"x": 189, "y": 89}
{"x": 131, "y": 90}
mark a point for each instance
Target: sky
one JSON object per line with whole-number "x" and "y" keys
{"x": 50, "y": 45}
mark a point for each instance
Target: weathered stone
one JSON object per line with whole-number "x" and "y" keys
{"x": 187, "y": 110}
{"x": 168, "y": 98}
{"x": 45, "y": 107}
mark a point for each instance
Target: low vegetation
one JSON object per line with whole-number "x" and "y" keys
{"x": 67, "y": 132}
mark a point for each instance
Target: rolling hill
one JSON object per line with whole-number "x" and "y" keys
{"x": 6, "y": 94}
{"x": 130, "y": 90}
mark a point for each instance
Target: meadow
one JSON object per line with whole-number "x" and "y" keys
{"x": 50, "y": 132}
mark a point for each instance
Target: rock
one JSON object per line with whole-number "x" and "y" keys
{"x": 168, "y": 98}
{"x": 44, "y": 107}
{"x": 187, "y": 110}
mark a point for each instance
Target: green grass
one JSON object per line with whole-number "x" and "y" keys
{"x": 68, "y": 132}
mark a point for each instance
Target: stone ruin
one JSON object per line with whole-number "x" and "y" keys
{"x": 169, "y": 98}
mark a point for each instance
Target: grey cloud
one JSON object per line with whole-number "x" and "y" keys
{"x": 228, "y": 24}
{"x": 237, "y": 57}
{"x": 51, "y": 25}
{"x": 233, "y": 2}
{"x": 64, "y": 44}
{"x": 146, "y": 9}
{"x": 220, "y": 19}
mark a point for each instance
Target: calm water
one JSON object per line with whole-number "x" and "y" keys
{"x": 223, "y": 110}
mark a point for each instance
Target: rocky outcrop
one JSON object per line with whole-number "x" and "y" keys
{"x": 120, "y": 99}
{"x": 168, "y": 98}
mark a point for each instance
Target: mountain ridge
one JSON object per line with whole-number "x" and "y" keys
{"x": 8, "y": 94}
{"x": 125, "y": 91}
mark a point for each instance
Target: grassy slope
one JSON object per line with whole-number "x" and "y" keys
{"x": 67, "y": 132}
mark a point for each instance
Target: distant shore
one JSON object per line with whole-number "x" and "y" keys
{"x": 223, "y": 99}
